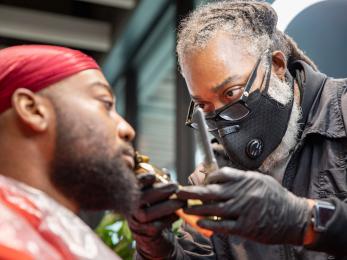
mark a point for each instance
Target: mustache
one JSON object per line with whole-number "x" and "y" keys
{"x": 127, "y": 149}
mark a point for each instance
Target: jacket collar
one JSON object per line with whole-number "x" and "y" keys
{"x": 321, "y": 113}
{"x": 310, "y": 83}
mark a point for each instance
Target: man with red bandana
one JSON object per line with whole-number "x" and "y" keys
{"x": 63, "y": 148}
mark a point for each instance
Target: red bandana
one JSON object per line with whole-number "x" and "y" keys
{"x": 36, "y": 67}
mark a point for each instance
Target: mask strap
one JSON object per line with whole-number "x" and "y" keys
{"x": 190, "y": 113}
{"x": 299, "y": 81}
{"x": 268, "y": 73}
{"x": 252, "y": 78}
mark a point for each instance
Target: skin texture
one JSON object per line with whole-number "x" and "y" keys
{"x": 216, "y": 75}
{"x": 85, "y": 106}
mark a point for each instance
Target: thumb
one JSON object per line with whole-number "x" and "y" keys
{"x": 226, "y": 174}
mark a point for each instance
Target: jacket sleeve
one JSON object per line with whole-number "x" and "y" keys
{"x": 194, "y": 245}
{"x": 334, "y": 239}
{"x": 344, "y": 105}
{"x": 188, "y": 245}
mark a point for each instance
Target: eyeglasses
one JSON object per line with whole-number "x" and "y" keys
{"x": 234, "y": 111}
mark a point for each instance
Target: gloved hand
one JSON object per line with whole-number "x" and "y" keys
{"x": 151, "y": 221}
{"x": 251, "y": 205}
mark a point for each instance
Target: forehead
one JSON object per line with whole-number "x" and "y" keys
{"x": 87, "y": 77}
{"x": 222, "y": 57}
{"x": 83, "y": 81}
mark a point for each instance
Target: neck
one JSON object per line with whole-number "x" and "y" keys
{"x": 26, "y": 163}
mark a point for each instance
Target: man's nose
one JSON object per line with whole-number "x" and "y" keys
{"x": 125, "y": 131}
{"x": 218, "y": 104}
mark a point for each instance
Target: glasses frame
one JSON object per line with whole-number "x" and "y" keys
{"x": 243, "y": 99}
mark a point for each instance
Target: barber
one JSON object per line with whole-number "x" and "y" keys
{"x": 282, "y": 125}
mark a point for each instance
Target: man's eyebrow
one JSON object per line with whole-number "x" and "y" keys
{"x": 224, "y": 82}
{"x": 104, "y": 85}
{"x": 196, "y": 98}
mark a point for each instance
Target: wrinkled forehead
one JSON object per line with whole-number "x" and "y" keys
{"x": 222, "y": 57}
{"x": 223, "y": 48}
{"x": 225, "y": 44}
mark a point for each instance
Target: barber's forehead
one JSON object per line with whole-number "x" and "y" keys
{"x": 224, "y": 50}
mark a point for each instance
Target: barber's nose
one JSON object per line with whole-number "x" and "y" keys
{"x": 218, "y": 105}
{"x": 125, "y": 131}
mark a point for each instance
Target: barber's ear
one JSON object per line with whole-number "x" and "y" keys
{"x": 279, "y": 64}
{"x": 30, "y": 109}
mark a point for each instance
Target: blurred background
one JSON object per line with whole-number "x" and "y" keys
{"x": 134, "y": 42}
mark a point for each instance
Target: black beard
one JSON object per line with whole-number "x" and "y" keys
{"x": 89, "y": 176}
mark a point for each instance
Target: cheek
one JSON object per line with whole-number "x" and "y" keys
{"x": 104, "y": 126}
{"x": 97, "y": 137}
{"x": 91, "y": 124}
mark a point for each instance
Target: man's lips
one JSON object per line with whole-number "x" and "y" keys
{"x": 128, "y": 156}
{"x": 129, "y": 161}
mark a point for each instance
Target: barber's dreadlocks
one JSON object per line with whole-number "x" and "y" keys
{"x": 249, "y": 20}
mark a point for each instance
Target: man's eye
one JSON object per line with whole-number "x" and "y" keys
{"x": 206, "y": 107}
{"x": 233, "y": 92}
{"x": 108, "y": 104}
{"x": 229, "y": 93}
{"x": 200, "y": 105}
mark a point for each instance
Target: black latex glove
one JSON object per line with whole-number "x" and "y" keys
{"x": 151, "y": 221}
{"x": 251, "y": 205}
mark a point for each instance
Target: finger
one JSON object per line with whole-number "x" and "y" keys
{"x": 214, "y": 209}
{"x": 152, "y": 228}
{"x": 219, "y": 226}
{"x": 204, "y": 193}
{"x": 158, "y": 211}
{"x": 225, "y": 174}
{"x": 146, "y": 180}
{"x": 159, "y": 192}
{"x": 200, "y": 168}
{"x": 198, "y": 176}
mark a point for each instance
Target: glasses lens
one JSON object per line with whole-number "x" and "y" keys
{"x": 193, "y": 124}
{"x": 210, "y": 122}
{"x": 235, "y": 112}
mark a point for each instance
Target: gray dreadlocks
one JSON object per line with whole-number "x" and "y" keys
{"x": 250, "y": 20}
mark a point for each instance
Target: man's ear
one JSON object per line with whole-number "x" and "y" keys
{"x": 279, "y": 64}
{"x": 30, "y": 109}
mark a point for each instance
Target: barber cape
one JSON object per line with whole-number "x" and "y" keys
{"x": 34, "y": 226}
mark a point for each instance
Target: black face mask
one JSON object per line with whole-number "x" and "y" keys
{"x": 251, "y": 128}
{"x": 251, "y": 140}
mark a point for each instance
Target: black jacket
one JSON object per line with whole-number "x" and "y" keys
{"x": 316, "y": 170}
